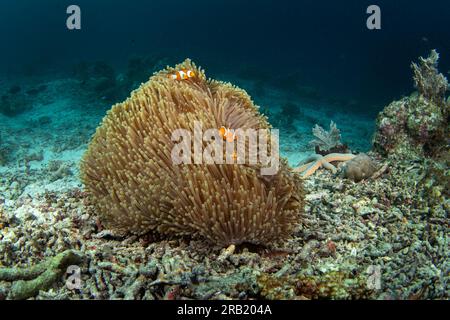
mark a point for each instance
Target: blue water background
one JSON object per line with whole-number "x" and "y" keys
{"x": 319, "y": 44}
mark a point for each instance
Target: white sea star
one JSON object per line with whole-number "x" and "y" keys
{"x": 309, "y": 165}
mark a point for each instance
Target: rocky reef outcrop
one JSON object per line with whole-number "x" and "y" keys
{"x": 417, "y": 125}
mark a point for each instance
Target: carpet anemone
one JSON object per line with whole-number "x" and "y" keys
{"x": 129, "y": 173}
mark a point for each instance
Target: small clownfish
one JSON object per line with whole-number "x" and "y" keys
{"x": 227, "y": 134}
{"x": 183, "y": 74}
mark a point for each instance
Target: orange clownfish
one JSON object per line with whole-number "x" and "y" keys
{"x": 227, "y": 134}
{"x": 183, "y": 74}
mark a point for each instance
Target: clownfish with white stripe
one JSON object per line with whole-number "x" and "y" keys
{"x": 227, "y": 134}
{"x": 183, "y": 74}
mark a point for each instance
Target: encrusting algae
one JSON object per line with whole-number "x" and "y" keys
{"x": 129, "y": 172}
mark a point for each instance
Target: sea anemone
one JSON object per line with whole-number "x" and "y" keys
{"x": 129, "y": 174}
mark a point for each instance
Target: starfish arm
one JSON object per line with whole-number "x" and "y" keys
{"x": 312, "y": 168}
{"x": 302, "y": 168}
{"x": 310, "y": 159}
{"x": 339, "y": 157}
{"x": 329, "y": 166}
{"x": 310, "y": 164}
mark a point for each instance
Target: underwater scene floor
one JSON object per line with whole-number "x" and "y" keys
{"x": 381, "y": 238}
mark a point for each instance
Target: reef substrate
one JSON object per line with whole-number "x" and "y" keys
{"x": 397, "y": 223}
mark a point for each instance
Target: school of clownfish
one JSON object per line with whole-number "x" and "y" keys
{"x": 226, "y": 133}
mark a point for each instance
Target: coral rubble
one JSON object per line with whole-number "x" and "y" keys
{"x": 29, "y": 281}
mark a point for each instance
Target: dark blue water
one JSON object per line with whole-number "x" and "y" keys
{"x": 319, "y": 44}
